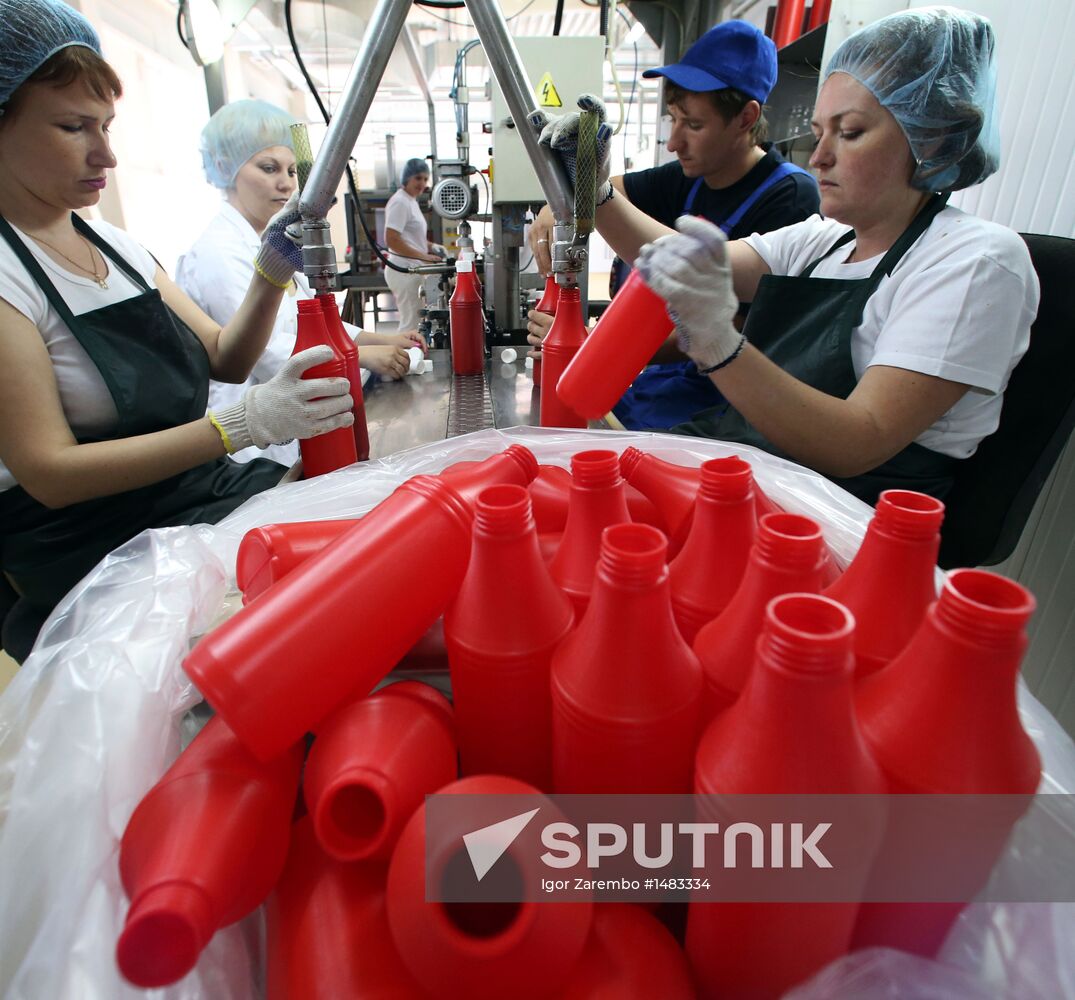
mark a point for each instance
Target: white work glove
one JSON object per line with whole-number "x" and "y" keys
{"x": 690, "y": 271}
{"x": 562, "y": 135}
{"x": 280, "y": 255}
{"x": 287, "y": 406}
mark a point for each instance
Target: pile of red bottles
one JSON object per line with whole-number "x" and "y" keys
{"x": 625, "y": 626}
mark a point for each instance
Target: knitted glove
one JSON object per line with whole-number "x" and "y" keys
{"x": 280, "y": 255}
{"x": 562, "y": 135}
{"x": 690, "y": 271}
{"x": 287, "y": 406}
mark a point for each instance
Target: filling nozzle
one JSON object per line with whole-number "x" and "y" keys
{"x": 569, "y": 253}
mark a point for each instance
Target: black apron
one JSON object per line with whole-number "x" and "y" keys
{"x": 157, "y": 373}
{"x": 804, "y": 325}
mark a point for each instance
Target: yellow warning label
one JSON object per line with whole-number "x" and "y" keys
{"x": 546, "y": 92}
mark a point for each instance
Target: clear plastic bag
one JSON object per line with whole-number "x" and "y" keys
{"x": 99, "y": 710}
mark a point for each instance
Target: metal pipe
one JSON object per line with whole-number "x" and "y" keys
{"x": 410, "y": 47}
{"x": 507, "y": 67}
{"x": 384, "y": 27}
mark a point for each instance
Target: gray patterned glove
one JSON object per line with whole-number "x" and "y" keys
{"x": 562, "y": 135}
{"x": 280, "y": 255}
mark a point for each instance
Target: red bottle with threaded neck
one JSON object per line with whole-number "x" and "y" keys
{"x": 185, "y": 871}
{"x": 787, "y": 556}
{"x": 373, "y": 763}
{"x": 942, "y": 718}
{"x": 596, "y": 501}
{"x": 625, "y": 686}
{"x": 500, "y": 658}
{"x": 327, "y": 930}
{"x": 466, "y": 321}
{"x": 551, "y": 490}
{"x": 561, "y": 344}
{"x": 344, "y": 345}
{"x": 333, "y": 450}
{"x": 708, "y": 569}
{"x": 269, "y": 553}
{"x": 889, "y": 584}
{"x": 793, "y": 731}
{"x": 547, "y": 305}
{"x": 255, "y": 668}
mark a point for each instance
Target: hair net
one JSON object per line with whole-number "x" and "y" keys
{"x": 933, "y": 69}
{"x": 412, "y": 168}
{"x": 238, "y": 131}
{"x": 33, "y": 30}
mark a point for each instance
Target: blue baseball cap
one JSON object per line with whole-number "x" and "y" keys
{"x": 730, "y": 54}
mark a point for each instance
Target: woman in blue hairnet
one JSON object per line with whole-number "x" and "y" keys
{"x": 247, "y": 153}
{"x": 104, "y": 362}
{"x": 407, "y": 236}
{"x": 881, "y": 333}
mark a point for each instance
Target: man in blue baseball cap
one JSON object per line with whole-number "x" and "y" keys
{"x": 725, "y": 171}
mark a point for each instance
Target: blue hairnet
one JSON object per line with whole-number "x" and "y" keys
{"x": 33, "y": 30}
{"x": 934, "y": 70}
{"x": 412, "y": 168}
{"x": 238, "y": 131}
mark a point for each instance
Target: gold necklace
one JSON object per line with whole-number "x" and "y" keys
{"x": 97, "y": 276}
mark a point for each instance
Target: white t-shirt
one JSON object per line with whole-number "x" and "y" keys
{"x": 402, "y": 214}
{"x": 87, "y": 403}
{"x": 958, "y": 305}
{"x": 216, "y": 274}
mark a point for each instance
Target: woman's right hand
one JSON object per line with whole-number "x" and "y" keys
{"x": 288, "y": 406}
{"x": 390, "y": 362}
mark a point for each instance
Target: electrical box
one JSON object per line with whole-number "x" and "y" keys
{"x": 560, "y": 69}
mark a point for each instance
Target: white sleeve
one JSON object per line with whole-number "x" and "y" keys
{"x": 396, "y": 215}
{"x": 19, "y": 290}
{"x": 790, "y": 249}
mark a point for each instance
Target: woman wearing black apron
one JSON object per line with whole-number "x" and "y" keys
{"x": 103, "y": 429}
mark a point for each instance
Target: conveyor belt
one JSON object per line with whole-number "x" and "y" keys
{"x": 470, "y": 405}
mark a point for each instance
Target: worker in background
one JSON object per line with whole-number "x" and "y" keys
{"x": 408, "y": 240}
{"x": 881, "y": 336}
{"x": 725, "y": 172}
{"x": 247, "y": 153}
{"x": 104, "y": 361}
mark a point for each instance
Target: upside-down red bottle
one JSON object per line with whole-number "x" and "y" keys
{"x": 889, "y": 584}
{"x": 942, "y": 719}
{"x": 621, "y": 345}
{"x": 709, "y": 567}
{"x": 792, "y": 732}
{"x": 411, "y": 550}
{"x": 547, "y": 305}
{"x": 620, "y": 722}
{"x": 201, "y": 850}
{"x": 373, "y": 762}
{"x": 346, "y": 346}
{"x": 327, "y": 930}
{"x": 480, "y": 950}
{"x": 466, "y": 321}
{"x": 335, "y": 449}
{"x": 562, "y": 342}
{"x": 501, "y": 631}
{"x": 596, "y": 501}
{"x": 630, "y": 956}
{"x": 787, "y": 555}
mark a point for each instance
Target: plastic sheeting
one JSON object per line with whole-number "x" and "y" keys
{"x": 100, "y": 708}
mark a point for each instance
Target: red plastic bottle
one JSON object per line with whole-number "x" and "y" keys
{"x": 201, "y": 850}
{"x": 467, "y": 322}
{"x": 551, "y": 489}
{"x": 515, "y": 464}
{"x": 596, "y": 501}
{"x": 327, "y": 930}
{"x": 623, "y": 341}
{"x": 479, "y": 951}
{"x": 373, "y": 762}
{"x": 501, "y": 631}
{"x": 709, "y": 567}
{"x": 561, "y": 343}
{"x": 793, "y": 731}
{"x": 629, "y": 956}
{"x": 626, "y": 688}
{"x": 335, "y": 449}
{"x": 889, "y": 584}
{"x": 410, "y": 553}
{"x": 549, "y": 298}
{"x": 787, "y": 556}
{"x": 942, "y": 718}
{"x": 343, "y": 344}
